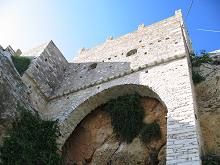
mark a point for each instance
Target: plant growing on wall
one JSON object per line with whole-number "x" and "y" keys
{"x": 150, "y": 131}
{"x": 210, "y": 159}
{"x": 21, "y": 63}
{"x": 127, "y": 116}
{"x": 197, "y": 61}
{"x": 30, "y": 141}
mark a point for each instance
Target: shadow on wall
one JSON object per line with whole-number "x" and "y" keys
{"x": 184, "y": 139}
{"x": 84, "y": 74}
{"x": 93, "y": 140}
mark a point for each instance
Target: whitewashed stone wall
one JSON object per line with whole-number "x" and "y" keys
{"x": 168, "y": 82}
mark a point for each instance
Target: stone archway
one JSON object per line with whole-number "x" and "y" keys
{"x": 174, "y": 92}
{"x": 94, "y": 101}
{"x": 95, "y": 128}
{"x": 93, "y": 140}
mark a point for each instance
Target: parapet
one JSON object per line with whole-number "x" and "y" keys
{"x": 147, "y": 44}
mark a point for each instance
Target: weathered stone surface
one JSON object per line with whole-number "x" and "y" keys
{"x": 131, "y": 154}
{"x": 88, "y": 136}
{"x": 93, "y": 141}
{"x": 208, "y": 100}
{"x": 155, "y": 112}
{"x": 103, "y": 155}
{"x": 162, "y": 156}
{"x": 12, "y": 91}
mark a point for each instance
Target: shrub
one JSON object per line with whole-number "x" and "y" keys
{"x": 21, "y": 63}
{"x": 197, "y": 77}
{"x": 196, "y": 61}
{"x": 150, "y": 131}
{"x": 30, "y": 141}
{"x": 210, "y": 159}
{"x": 126, "y": 116}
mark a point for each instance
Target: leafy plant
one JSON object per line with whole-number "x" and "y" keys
{"x": 126, "y": 116}
{"x": 197, "y": 61}
{"x": 30, "y": 141}
{"x": 210, "y": 159}
{"x": 21, "y": 63}
{"x": 150, "y": 131}
{"x": 197, "y": 77}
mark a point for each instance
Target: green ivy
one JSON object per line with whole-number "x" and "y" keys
{"x": 197, "y": 77}
{"x": 127, "y": 116}
{"x": 150, "y": 131}
{"x": 21, "y": 63}
{"x": 197, "y": 61}
{"x": 30, "y": 141}
{"x": 210, "y": 159}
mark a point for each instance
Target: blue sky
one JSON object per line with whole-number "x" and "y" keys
{"x": 86, "y": 23}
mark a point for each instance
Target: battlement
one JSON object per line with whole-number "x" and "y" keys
{"x": 149, "y": 43}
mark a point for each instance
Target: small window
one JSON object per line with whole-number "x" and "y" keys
{"x": 92, "y": 66}
{"x": 109, "y": 58}
{"x": 131, "y": 52}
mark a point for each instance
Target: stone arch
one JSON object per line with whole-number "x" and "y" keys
{"x": 96, "y": 100}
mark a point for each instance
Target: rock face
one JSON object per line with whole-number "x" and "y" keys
{"x": 12, "y": 91}
{"x": 208, "y": 100}
{"x": 93, "y": 141}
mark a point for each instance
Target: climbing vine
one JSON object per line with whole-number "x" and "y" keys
{"x": 30, "y": 141}
{"x": 210, "y": 159}
{"x": 127, "y": 116}
{"x": 21, "y": 63}
{"x": 150, "y": 131}
{"x": 197, "y": 61}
